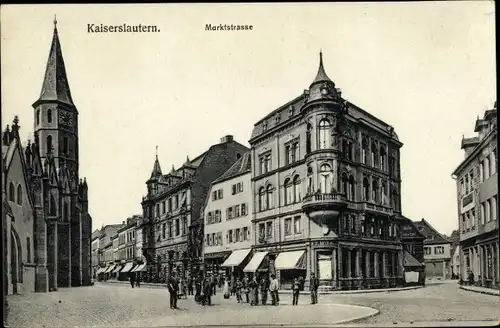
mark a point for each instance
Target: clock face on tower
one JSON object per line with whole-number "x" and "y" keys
{"x": 65, "y": 118}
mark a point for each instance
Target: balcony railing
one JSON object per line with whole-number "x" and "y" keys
{"x": 378, "y": 208}
{"x": 319, "y": 197}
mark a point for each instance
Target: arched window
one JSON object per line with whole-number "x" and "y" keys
{"x": 269, "y": 196}
{"x": 37, "y": 117}
{"x": 19, "y": 195}
{"x": 310, "y": 183}
{"x": 394, "y": 199}
{"x": 374, "y": 154}
{"x": 49, "y": 143}
{"x": 383, "y": 157}
{"x": 296, "y": 185}
{"x": 325, "y": 179}
{"x": 366, "y": 190}
{"x": 288, "y": 192}
{"x": 345, "y": 187}
{"x": 52, "y": 207}
{"x": 49, "y": 115}
{"x": 308, "y": 138}
{"x": 12, "y": 192}
{"x": 324, "y": 134}
{"x": 374, "y": 191}
{"x": 364, "y": 151}
{"x": 384, "y": 193}
{"x": 352, "y": 188}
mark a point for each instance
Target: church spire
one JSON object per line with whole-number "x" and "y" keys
{"x": 55, "y": 83}
{"x": 321, "y": 76}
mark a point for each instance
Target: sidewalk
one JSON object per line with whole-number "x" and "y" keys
{"x": 284, "y": 291}
{"x": 482, "y": 290}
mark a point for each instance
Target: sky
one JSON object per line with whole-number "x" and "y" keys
{"x": 426, "y": 68}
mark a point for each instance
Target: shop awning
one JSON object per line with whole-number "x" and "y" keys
{"x": 288, "y": 260}
{"x": 255, "y": 262}
{"x": 111, "y": 267}
{"x": 139, "y": 268}
{"x": 127, "y": 267}
{"x": 100, "y": 270}
{"x": 118, "y": 267}
{"x": 236, "y": 258}
{"x": 410, "y": 261}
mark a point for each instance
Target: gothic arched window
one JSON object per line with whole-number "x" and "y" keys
{"x": 383, "y": 156}
{"x": 374, "y": 154}
{"x": 288, "y": 192}
{"x": 352, "y": 188}
{"x": 49, "y": 143}
{"x": 324, "y": 134}
{"x": 308, "y": 138}
{"x": 345, "y": 187}
{"x": 12, "y": 192}
{"x": 269, "y": 196}
{"x": 325, "y": 179}
{"x": 19, "y": 195}
{"x": 374, "y": 191}
{"x": 366, "y": 190}
{"x": 49, "y": 115}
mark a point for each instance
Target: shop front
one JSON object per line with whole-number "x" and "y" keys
{"x": 235, "y": 263}
{"x": 258, "y": 265}
{"x": 290, "y": 265}
{"x": 213, "y": 263}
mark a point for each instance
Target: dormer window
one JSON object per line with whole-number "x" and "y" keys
{"x": 264, "y": 125}
{"x": 277, "y": 119}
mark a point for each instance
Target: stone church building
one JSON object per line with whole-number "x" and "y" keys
{"x": 46, "y": 225}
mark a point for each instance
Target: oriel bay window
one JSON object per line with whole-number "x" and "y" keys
{"x": 324, "y": 134}
{"x": 325, "y": 179}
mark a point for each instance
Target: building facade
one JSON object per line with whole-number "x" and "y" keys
{"x": 326, "y": 183}
{"x": 228, "y": 217}
{"x": 477, "y": 201}
{"x": 95, "y": 252}
{"x": 437, "y": 251}
{"x": 52, "y": 194}
{"x": 172, "y": 210}
{"x": 413, "y": 253}
{"x": 455, "y": 262}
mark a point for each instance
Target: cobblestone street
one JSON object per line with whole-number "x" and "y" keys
{"x": 119, "y": 305}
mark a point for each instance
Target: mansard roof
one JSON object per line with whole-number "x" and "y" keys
{"x": 55, "y": 85}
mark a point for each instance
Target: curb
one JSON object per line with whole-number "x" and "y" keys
{"x": 486, "y": 292}
{"x": 289, "y": 292}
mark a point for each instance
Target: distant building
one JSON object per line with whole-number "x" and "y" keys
{"x": 327, "y": 189}
{"x": 477, "y": 196}
{"x": 413, "y": 253}
{"x": 95, "y": 252}
{"x": 455, "y": 261}
{"x": 126, "y": 247}
{"x": 437, "y": 252}
{"x": 228, "y": 219}
{"x": 172, "y": 210}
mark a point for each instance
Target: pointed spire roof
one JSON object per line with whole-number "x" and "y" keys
{"x": 321, "y": 76}
{"x": 55, "y": 83}
{"x": 156, "y": 173}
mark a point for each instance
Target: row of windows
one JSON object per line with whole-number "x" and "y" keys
{"x": 438, "y": 250}
{"x": 291, "y": 152}
{"x": 237, "y": 211}
{"x": 49, "y": 116}
{"x": 469, "y": 220}
{"x": 16, "y": 196}
{"x": 488, "y": 166}
{"x": 214, "y": 217}
{"x": 66, "y": 144}
{"x": 213, "y": 239}
{"x": 238, "y": 235}
{"x": 173, "y": 228}
{"x": 489, "y": 210}
{"x": 170, "y": 204}
{"x": 466, "y": 182}
{"x": 296, "y": 230}
{"x": 237, "y": 188}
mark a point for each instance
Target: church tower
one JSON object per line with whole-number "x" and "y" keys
{"x": 56, "y": 117}
{"x": 56, "y": 134}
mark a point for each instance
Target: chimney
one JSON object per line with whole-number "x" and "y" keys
{"x": 227, "y": 138}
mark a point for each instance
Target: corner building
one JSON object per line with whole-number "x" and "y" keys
{"x": 477, "y": 202}
{"x": 326, "y": 182}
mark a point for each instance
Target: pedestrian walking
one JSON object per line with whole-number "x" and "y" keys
{"x": 207, "y": 291}
{"x": 198, "y": 285}
{"x": 233, "y": 285}
{"x": 184, "y": 288}
{"x": 238, "y": 289}
{"x": 246, "y": 288}
{"x": 295, "y": 291}
{"x": 132, "y": 279}
{"x": 190, "y": 285}
{"x": 138, "y": 279}
{"x": 273, "y": 288}
{"x": 313, "y": 286}
{"x": 264, "y": 287}
{"x": 213, "y": 285}
{"x": 173, "y": 287}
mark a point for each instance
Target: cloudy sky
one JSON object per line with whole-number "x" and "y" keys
{"x": 428, "y": 69}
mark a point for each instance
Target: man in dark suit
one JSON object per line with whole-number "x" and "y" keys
{"x": 173, "y": 288}
{"x": 313, "y": 286}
